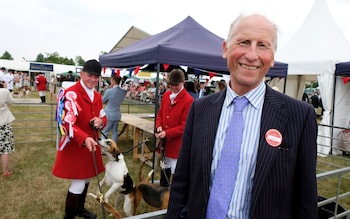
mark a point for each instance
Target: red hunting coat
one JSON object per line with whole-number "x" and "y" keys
{"x": 172, "y": 117}
{"x": 75, "y": 161}
{"x": 41, "y": 83}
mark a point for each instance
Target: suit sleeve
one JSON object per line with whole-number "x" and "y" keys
{"x": 306, "y": 184}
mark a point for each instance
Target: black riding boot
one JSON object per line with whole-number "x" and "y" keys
{"x": 71, "y": 205}
{"x": 165, "y": 177}
{"x": 44, "y": 99}
{"x": 82, "y": 212}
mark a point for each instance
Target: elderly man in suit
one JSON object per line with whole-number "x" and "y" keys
{"x": 276, "y": 169}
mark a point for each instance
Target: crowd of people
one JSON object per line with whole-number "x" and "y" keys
{"x": 16, "y": 81}
{"x": 145, "y": 91}
{"x": 21, "y": 85}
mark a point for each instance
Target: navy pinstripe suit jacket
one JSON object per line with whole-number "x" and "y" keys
{"x": 285, "y": 178}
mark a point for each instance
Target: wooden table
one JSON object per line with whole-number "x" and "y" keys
{"x": 140, "y": 127}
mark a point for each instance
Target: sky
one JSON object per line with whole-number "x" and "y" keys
{"x": 88, "y": 27}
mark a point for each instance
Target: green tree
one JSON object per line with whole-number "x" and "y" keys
{"x": 79, "y": 60}
{"x": 67, "y": 61}
{"x": 54, "y": 58}
{"x": 40, "y": 58}
{"x": 7, "y": 56}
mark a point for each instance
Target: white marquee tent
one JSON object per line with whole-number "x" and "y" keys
{"x": 313, "y": 51}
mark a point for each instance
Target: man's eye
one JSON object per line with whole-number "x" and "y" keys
{"x": 244, "y": 43}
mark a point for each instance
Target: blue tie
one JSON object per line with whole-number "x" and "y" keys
{"x": 227, "y": 169}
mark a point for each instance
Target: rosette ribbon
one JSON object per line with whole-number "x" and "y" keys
{"x": 70, "y": 119}
{"x": 72, "y": 97}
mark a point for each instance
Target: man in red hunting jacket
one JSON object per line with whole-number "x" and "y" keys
{"x": 41, "y": 86}
{"x": 80, "y": 115}
{"x": 171, "y": 120}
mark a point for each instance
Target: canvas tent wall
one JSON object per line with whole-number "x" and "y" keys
{"x": 341, "y": 104}
{"x": 134, "y": 34}
{"x": 314, "y": 51}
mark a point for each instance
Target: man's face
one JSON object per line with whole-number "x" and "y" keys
{"x": 249, "y": 53}
{"x": 90, "y": 80}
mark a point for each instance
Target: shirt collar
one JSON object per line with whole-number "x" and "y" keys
{"x": 255, "y": 96}
{"x": 174, "y": 95}
{"x": 90, "y": 92}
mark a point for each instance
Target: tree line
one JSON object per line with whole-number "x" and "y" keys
{"x": 50, "y": 58}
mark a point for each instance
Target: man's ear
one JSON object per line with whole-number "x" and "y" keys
{"x": 224, "y": 49}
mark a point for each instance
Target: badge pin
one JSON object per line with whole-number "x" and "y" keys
{"x": 273, "y": 137}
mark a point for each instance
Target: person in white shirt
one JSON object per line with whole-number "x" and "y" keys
{"x": 2, "y": 74}
{"x": 53, "y": 85}
{"x": 9, "y": 78}
{"x": 202, "y": 91}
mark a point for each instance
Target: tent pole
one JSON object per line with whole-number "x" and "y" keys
{"x": 156, "y": 108}
{"x": 332, "y": 113}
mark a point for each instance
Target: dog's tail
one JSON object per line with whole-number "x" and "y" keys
{"x": 109, "y": 208}
{"x": 140, "y": 171}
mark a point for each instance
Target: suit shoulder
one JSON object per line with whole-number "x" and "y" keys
{"x": 210, "y": 101}
{"x": 291, "y": 102}
{"x": 296, "y": 101}
{"x": 212, "y": 98}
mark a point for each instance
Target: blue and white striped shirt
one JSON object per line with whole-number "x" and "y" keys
{"x": 241, "y": 198}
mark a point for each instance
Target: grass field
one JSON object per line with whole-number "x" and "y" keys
{"x": 33, "y": 192}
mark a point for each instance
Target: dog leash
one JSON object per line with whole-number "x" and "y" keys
{"x": 98, "y": 181}
{"x": 162, "y": 162}
{"x": 138, "y": 145}
{"x": 105, "y": 136}
{"x": 127, "y": 151}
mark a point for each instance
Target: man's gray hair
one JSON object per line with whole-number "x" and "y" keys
{"x": 235, "y": 22}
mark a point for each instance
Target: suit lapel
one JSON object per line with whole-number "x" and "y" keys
{"x": 274, "y": 116}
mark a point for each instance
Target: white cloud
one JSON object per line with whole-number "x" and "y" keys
{"x": 87, "y": 27}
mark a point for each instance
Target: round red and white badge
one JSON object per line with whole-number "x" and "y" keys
{"x": 273, "y": 137}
